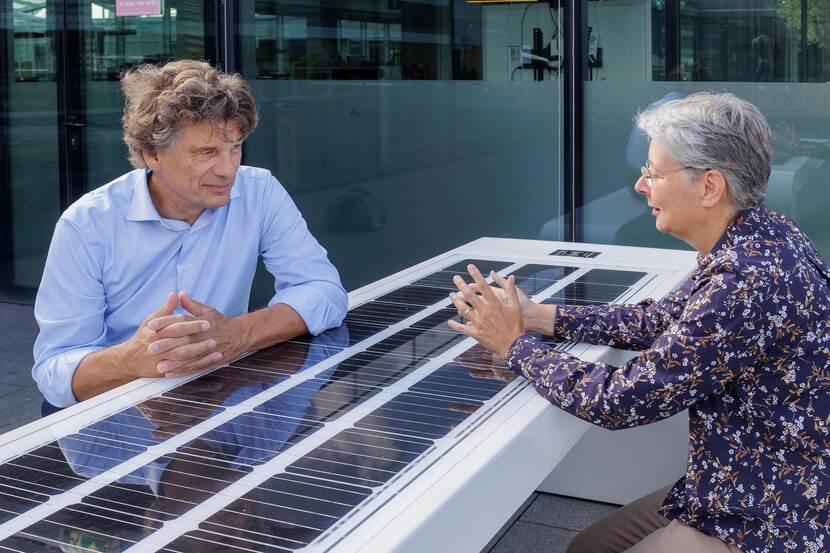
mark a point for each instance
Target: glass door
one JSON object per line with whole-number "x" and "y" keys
{"x": 110, "y": 44}
{"x": 30, "y": 198}
{"x": 60, "y": 109}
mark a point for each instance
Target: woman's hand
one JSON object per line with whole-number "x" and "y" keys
{"x": 537, "y": 317}
{"x": 493, "y": 322}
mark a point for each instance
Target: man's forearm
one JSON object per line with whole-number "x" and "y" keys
{"x": 269, "y": 326}
{"x": 104, "y": 370}
{"x": 99, "y": 372}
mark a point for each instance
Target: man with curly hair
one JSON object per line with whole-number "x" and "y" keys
{"x": 150, "y": 274}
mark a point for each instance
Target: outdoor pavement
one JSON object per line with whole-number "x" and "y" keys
{"x": 19, "y": 397}
{"x": 545, "y": 523}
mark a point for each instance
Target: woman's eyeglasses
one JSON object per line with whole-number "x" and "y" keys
{"x": 649, "y": 178}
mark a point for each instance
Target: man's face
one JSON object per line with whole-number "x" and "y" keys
{"x": 197, "y": 171}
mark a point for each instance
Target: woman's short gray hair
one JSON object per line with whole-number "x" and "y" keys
{"x": 159, "y": 101}
{"x": 709, "y": 130}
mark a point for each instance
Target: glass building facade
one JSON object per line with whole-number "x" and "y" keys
{"x": 403, "y": 128}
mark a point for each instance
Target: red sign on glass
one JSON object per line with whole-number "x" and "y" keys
{"x": 137, "y": 7}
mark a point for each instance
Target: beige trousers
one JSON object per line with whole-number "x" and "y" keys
{"x": 639, "y": 528}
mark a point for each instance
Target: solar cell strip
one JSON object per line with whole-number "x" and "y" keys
{"x": 101, "y": 524}
{"x": 444, "y": 415}
{"x": 612, "y": 276}
{"x": 414, "y": 295}
{"x": 485, "y": 265}
{"x": 59, "y": 535}
{"x": 209, "y": 542}
{"x": 340, "y": 461}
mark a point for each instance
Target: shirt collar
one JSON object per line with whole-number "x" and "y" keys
{"x": 141, "y": 205}
{"x": 740, "y": 226}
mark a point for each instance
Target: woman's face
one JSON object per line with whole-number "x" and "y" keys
{"x": 674, "y": 204}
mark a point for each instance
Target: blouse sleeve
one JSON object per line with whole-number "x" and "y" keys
{"x": 720, "y": 333}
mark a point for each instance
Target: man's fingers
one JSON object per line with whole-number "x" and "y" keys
{"x": 187, "y": 352}
{"x": 166, "y": 344}
{"x": 160, "y": 346}
{"x": 167, "y": 309}
{"x": 163, "y": 321}
{"x": 193, "y": 306}
{"x": 206, "y": 362}
{"x": 187, "y": 327}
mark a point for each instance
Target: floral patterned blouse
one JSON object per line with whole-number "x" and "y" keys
{"x": 744, "y": 344}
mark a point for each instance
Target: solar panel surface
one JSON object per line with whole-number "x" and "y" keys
{"x": 210, "y": 465}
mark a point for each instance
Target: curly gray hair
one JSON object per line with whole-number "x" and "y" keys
{"x": 160, "y": 101}
{"x": 709, "y": 130}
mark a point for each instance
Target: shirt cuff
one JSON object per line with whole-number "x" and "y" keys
{"x": 54, "y": 378}
{"x": 317, "y": 310}
{"x": 520, "y": 351}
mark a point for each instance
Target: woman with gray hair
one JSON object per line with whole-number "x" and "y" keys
{"x": 743, "y": 344}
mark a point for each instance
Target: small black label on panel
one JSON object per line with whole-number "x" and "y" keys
{"x": 575, "y": 253}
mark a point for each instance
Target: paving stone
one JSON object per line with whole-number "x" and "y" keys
{"x": 565, "y": 512}
{"x": 528, "y": 537}
{"x": 509, "y": 523}
{"x": 19, "y": 397}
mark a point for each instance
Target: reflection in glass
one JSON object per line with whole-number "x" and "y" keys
{"x": 655, "y": 51}
{"x": 30, "y": 191}
{"x": 42, "y": 174}
{"x": 382, "y": 118}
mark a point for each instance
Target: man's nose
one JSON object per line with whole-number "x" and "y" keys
{"x": 641, "y": 186}
{"x": 225, "y": 166}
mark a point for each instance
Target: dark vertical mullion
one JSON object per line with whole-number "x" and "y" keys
{"x": 212, "y": 15}
{"x": 69, "y": 55}
{"x": 58, "y": 7}
{"x": 6, "y": 75}
{"x": 229, "y": 31}
{"x": 576, "y": 21}
{"x": 802, "y": 59}
{"x": 673, "y": 40}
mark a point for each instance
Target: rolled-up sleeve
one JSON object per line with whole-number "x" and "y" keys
{"x": 305, "y": 279}
{"x": 719, "y": 334}
{"x": 69, "y": 310}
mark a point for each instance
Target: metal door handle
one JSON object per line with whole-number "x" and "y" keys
{"x": 72, "y": 121}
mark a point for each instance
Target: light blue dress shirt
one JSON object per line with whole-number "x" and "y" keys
{"x": 113, "y": 261}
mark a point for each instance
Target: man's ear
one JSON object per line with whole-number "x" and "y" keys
{"x": 151, "y": 159}
{"x": 714, "y": 188}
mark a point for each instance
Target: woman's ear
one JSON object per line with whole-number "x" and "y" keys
{"x": 714, "y": 188}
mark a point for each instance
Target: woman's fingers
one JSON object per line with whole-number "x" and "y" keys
{"x": 483, "y": 287}
{"x": 512, "y": 293}
{"x": 467, "y": 293}
{"x": 467, "y": 330}
{"x": 498, "y": 279}
{"x": 464, "y": 310}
